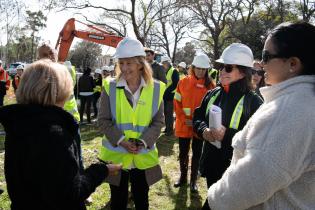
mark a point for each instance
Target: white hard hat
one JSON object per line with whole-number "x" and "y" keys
{"x": 238, "y": 54}
{"x": 20, "y": 67}
{"x": 201, "y": 60}
{"x": 105, "y": 68}
{"x": 182, "y": 64}
{"x": 68, "y": 63}
{"x": 129, "y": 47}
{"x": 165, "y": 58}
{"x": 111, "y": 68}
{"x": 98, "y": 71}
{"x": 0, "y": 61}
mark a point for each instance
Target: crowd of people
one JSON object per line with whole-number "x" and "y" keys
{"x": 259, "y": 156}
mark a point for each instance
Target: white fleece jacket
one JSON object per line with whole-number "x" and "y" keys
{"x": 273, "y": 164}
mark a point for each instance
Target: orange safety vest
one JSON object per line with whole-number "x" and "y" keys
{"x": 4, "y": 77}
{"x": 188, "y": 96}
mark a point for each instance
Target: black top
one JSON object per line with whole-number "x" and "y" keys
{"x": 42, "y": 167}
{"x": 158, "y": 72}
{"x": 214, "y": 160}
{"x": 86, "y": 83}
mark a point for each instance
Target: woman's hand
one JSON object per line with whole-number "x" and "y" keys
{"x": 207, "y": 135}
{"x": 214, "y": 134}
{"x": 218, "y": 134}
{"x": 130, "y": 147}
{"x": 113, "y": 169}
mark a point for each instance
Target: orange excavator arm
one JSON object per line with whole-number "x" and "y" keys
{"x": 96, "y": 35}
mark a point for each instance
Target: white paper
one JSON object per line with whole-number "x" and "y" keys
{"x": 215, "y": 121}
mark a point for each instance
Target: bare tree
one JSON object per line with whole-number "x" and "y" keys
{"x": 170, "y": 30}
{"x": 213, "y": 15}
{"x": 10, "y": 12}
{"x": 307, "y": 9}
{"x": 140, "y": 14}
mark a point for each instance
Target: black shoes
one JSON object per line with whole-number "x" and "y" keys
{"x": 181, "y": 181}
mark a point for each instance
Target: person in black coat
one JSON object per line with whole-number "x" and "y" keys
{"x": 234, "y": 90}
{"x": 41, "y": 166}
{"x": 86, "y": 85}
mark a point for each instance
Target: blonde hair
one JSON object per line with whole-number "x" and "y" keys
{"x": 44, "y": 82}
{"x": 146, "y": 69}
{"x": 46, "y": 51}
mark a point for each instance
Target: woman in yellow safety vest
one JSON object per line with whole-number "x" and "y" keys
{"x": 237, "y": 102}
{"x": 131, "y": 118}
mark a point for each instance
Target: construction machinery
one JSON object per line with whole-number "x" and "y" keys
{"x": 95, "y": 34}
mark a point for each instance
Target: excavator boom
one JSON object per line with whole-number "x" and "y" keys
{"x": 96, "y": 35}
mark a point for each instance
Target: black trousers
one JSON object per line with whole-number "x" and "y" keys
{"x": 139, "y": 190}
{"x": 96, "y": 96}
{"x": 184, "y": 146}
{"x": 169, "y": 118}
{"x": 1, "y": 99}
{"x": 86, "y": 100}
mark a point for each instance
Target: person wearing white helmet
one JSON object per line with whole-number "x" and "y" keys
{"x": 189, "y": 93}
{"x": 172, "y": 78}
{"x": 181, "y": 67}
{"x": 158, "y": 69}
{"x": 131, "y": 118}
{"x": 273, "y": 159}
{"x": 4, "y": 83}
{"x": 17, "y": 77}
{"x": 97, "y": 90}
{"x": 237, "y": 101}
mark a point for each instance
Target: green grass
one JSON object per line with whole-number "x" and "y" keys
{"x": 162, "y": 196}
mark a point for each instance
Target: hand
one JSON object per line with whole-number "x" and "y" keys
{"x": 113, "y": 169}
{"x": 188, "y": 122}
{"x": 130, "y": 147}
{"x": 218, "y": 134}
{"x": 207, "y": 135}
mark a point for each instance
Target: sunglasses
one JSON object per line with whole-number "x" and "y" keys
{"x": 227, "y": 67}
{"x": 267, "y": 56}
{"x": 260, "y": 73}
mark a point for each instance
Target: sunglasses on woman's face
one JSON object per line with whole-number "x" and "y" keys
{"x": 267, "y": 56}
{"x": 260, "y": 73}
{"x": 227, "y": 67}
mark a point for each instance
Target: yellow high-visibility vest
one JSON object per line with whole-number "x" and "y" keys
{"x": 169, "y": 77}
{"x": 237, "y": 113}
{"x": 133, "y": 123}
{"x": 71, "y": 104}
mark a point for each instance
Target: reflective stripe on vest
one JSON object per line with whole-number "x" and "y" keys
{"x": 133, "y": 123}
{"x": 169, "y": 77}
{"x": 237, "y": 113}
{"x": 187, "y": 111}
{"x": 178, "y": 96}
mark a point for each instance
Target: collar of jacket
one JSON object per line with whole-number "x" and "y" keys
{"x": 31, "y": 117}
{"x": 234, "y": 87}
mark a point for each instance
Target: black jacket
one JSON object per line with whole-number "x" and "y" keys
{"x": 158, "y": 72}
{"x": 214, "y": 161}
{"x": 42, "y": 159}
{"x": 86, "y": 83}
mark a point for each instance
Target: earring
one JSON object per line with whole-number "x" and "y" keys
{"x": 291, "y": 70}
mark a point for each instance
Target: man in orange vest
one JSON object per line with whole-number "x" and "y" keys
{"x": 4, "y": 83}
{"x": 17, "y": 77}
